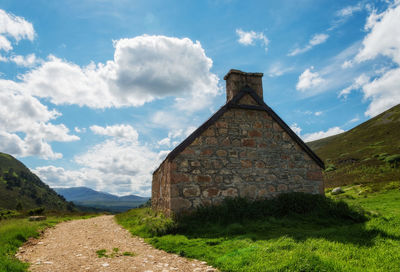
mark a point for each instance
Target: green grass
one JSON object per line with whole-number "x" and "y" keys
{"x": 14, "y": 232}
{"x": 291, "y": 242}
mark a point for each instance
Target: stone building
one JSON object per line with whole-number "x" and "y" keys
{"x": 244, "y": 149}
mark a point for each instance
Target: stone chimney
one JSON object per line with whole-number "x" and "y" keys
{"x": 236, "y": 80}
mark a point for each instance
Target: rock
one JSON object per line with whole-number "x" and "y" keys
{"x": 337, "y": 191}
{"x": 37, "y": 218}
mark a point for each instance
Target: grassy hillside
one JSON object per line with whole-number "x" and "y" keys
{"x": 301, "y": 237}
{"x": 364, "y": 154}
{"x": 20, "y": 189}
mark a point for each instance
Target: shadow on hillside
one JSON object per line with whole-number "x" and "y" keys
{"x": 356, "y": 233}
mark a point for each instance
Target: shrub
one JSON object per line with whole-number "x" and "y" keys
{"x": 305, "y": 206}
{"x": 393, "y": 160}
{"x": 330, "y": 167}
{"x": 5, "y": 214}
{"x": 36, "y": 211}
{"x": 158, "y": 224}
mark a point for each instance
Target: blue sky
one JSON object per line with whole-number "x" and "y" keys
{"x": 96, "y": 93}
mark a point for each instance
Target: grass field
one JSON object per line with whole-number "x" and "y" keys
{"x": 14, "y": 232}
{"x": 292, "y": 242}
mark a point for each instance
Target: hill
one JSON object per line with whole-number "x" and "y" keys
{"x": 87, "y": 197}
{"x": 368, "y": 153}
{"x": 21, "y": 189}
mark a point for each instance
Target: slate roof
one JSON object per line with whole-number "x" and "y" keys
{"x": 233, "y": 103}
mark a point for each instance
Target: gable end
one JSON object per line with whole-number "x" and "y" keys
{"x": 234, "y": 103}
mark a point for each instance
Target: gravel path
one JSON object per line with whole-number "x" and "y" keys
{"x": 72, "y": 246}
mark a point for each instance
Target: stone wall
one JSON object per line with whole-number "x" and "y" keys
{"x": 161, "y": 188}
{"x": 245, "y": 153}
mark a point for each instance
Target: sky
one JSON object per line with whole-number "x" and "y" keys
{"x": 96, "y": 93}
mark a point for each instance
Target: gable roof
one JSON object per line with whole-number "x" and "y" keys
{"x": 233, "y": 103}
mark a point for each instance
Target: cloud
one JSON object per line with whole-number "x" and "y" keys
{"x": 349, "y": 10}
{"x": 308, "y": 80}
{"x": 355, "y": 119}
{"x": 382, "y": 40}
{"x": 115, "y": 166}
{"x": 384, "y": 92}
{"x": 357, "y": 84}
{"x": 26, "y": 125}
{"x": 250, "y": 38}
{"x": 296, "y": 128}
{"x": 315, "y": 40}
{"x": 322, "y": 134}
{"x": 144, "y": 68}
{"x": 79, "y": 130}
{"x": 121, "y": 132}
{"x": 317, "y": 113}
{"x": 26, "y": 61}
{"x": 5, "y": 44}
{"x": 345, "y": 13}
{"x": 15, "y": 27}
{"x": 278, "y": 69}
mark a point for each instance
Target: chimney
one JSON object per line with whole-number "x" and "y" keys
{"x": 236, "y": 80}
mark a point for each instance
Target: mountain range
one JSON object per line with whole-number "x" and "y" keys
{"x": 86, "y": 197}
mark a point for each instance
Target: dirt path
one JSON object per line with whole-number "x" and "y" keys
{"x": 71, "y": 246}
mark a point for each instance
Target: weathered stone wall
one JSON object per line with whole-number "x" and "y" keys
{"x": 245, "y": 153}
{"x": 161, "y": 188}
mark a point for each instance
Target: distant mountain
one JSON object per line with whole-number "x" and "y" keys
{"x": 87, "y": 197}
{"x": 363, "y": 154}
{"x": 21, "y": 189}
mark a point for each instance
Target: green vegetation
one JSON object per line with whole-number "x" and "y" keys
{"x": 368, "y": 153}
{"x": 300, "y": 236}
{"x": 102, "y": 253}
{"x": 14, "y": 232}
{"x": 22, "y": 190}
{"x": 6, "y": 214}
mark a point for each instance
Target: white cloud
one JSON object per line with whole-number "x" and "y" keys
{"x": 26, "y": 61}
{"x": 296, "y": 129}
{"x": 384, "y": 36}
{"x": 16, "y": 27}
{"x": 355, "y": 119}
{"x": 250, "y": 37}
{"x": 79, "y": 130}
{"x": 144, "y": 68}
{"x": 5, "y": 44}
{"x": 383, "y": 39}
{"x": 349, "y": 10}
{"x": 278, "y": 69}
{"x": 115, "y": 166}
{"x": 317, "y": 113}
{"x": 357, "y": 84}
{"x": 308, "y": 80}
{"x": 26, "y": 124}
{"x": 315, "y": 40}
{"x": 384, "y": 92}
{"x": 347, "y": 64}
{"x": 322, "y": 134}
{"x": 121, "y": 132}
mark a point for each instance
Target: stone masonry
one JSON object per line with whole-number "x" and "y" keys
{"x": 244, "y": 150}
